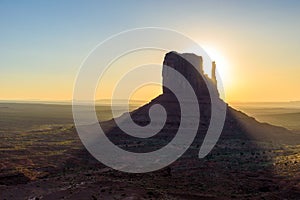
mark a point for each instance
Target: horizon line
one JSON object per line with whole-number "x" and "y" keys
{"x": 137, "y": 100}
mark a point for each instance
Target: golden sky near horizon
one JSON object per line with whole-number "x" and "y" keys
{"x": 245, "y": 77}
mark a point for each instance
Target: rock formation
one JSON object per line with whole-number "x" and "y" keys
{"x": 236, "y": 122}
{"x": 213, "y": 73}
{"x": 191, "y": 67}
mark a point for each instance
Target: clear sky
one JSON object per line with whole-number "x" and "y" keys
{"x": 256, "y": 44}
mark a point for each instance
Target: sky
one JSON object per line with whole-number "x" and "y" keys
{"x": 255, "y": 44}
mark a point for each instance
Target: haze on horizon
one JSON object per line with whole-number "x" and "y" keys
{"x": 255, "y": 44}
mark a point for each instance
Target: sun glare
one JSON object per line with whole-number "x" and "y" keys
{"x": 221, "y": 62}
{"x": 223, "y": 66}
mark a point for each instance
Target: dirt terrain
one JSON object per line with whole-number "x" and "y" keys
{"x": 51, "y": 163}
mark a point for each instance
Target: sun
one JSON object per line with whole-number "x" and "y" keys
{"x": 222, "y": 63}
{"x": 224, "y": 72}
{"x": 223, "y": 66}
